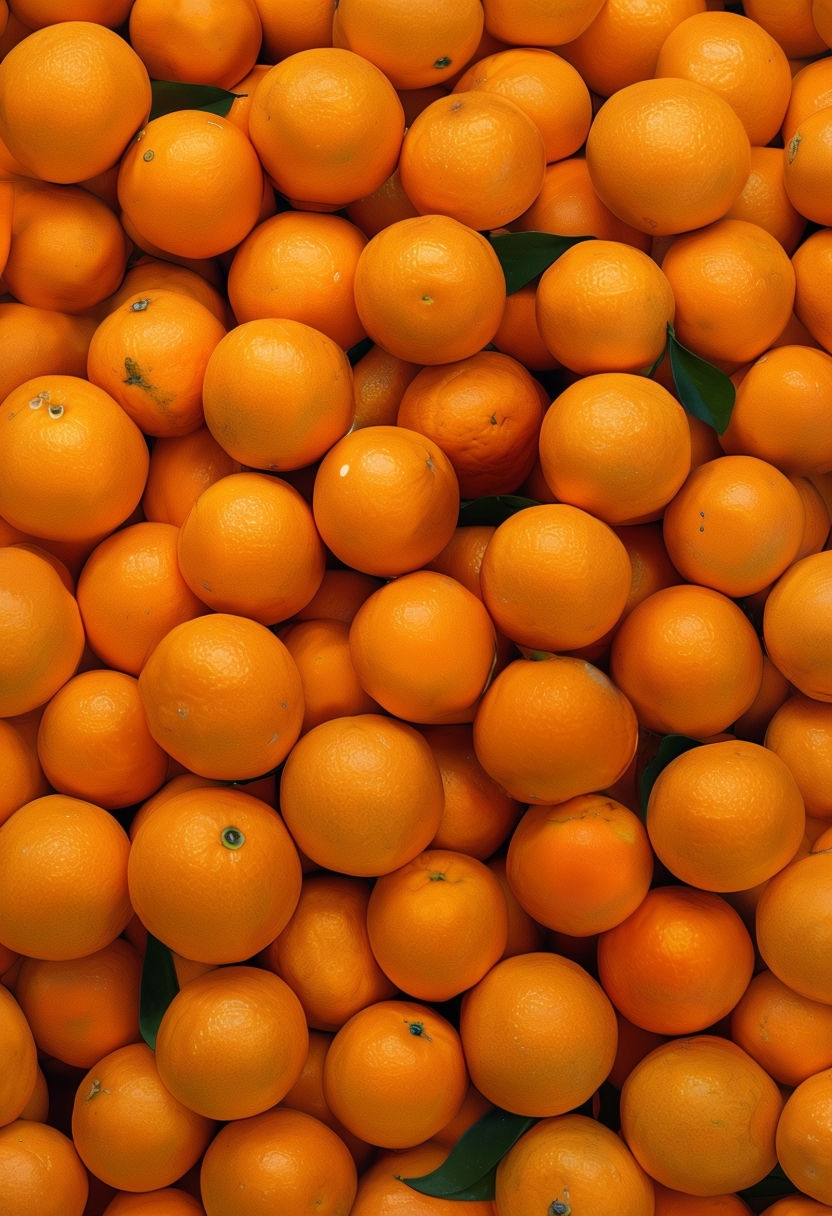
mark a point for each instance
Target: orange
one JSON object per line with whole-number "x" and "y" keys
{"x": 190, "y": 184}
{"x": 91, "y": 459}
{"x": 802, "y": 1136}
{"x": 232, "y": 1042}
{"x": 790, "y": 22}
{"x": 41, "y": 1173}
{"x": 215, "y": 43}
{"x": 688, "y": 659}
{"x": 734, "y": 288}
{"x": 23, "y": 777}
{"x": 581, "y": 866}
{"x": 811, "y": 261}
{"x": 424, "y": 647}
{"x": 37, "y": 13}
{"x": 794, "y": 625}
{"x": 200, "y": 279}
{"x": 474, "y": 155}
{"x": 525, "y": 934}
{"x": 331, "y": 687}
{"x": 382, "y": 1191}
{"x": 736, "y": 524}
{"x": 249, "y": 545}
{"x": 94, "y": 743}
{"x": 616, "y": 445}
{"x": 539, "y": 1034}
{"x": 800, "y": 733}
{"x": 340, "y": 595}
{"x": 327, "y": 125}
{"x": 773, "y": 691}
{"x": 484, "y": 412}
{"x": 678, "y": 963}
{"x": 788, "y": 1034}
{"x": 181, "y": 468}
{"x": 40, "y": 341}
{"x": 293, "y": 25}
{"x": 361, "y": 794}
{"x": 41, "y": 629}
{"x": 72, "y": 95}
{"x": 379, "y": 380}
{"x": 81, "y": 1009}
{"x": 795, "y": 1204}
{"x": 384, "y": 205}
{"x": 737, "y": 58}
{"x": 437, "y": 924}
{"x": 569, "y": 1161}
{"x": 578, "y": 307}
{"x": 793, "y": 436}
{"x": 20, "y": 1052}
{"x": 725, "y": 816}
{"x": 822, "y": 19}
{"x": 700, "y": 1114}
{"x": 548, "y": 730}
{"x": 300, "y": 265}
{"x": 807, "y": 158}
{"x": 129, "y": 1129}
{"x": 415, "y": 46}
{"x": 49, "y": 908}
{"x": 811, "y": 90}
{"x": 667, "y": 155}
{"x": 533, "y": 24}
{"x": 164, "y": 1201}
{"x": 381, "y": 1070}
{"x": 550, "y": 90}
{"x": 277, "y": 393}
{"x": 462, "y": 557}
{"x": 430, "y": 289}
{"x": 324, "y": 954}
{"x": 385, "y": 500}
{"x": 669, "y": 1202}
{"x": 763, "y": 199}
{"x": 150, "y": 355}
{"x": 131, "y": 593}
{"x": 223, "y": 696}
{"x": 554, "y": 577}
{"x": 518, "y": 334}
{"x": 214, "y": 874}
{"x": 283, "y": 1158}
{"x": 793, "y": 925}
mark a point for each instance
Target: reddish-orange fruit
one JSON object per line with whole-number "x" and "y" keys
{"x": 415, "y": 47}
{"x": 214, "y": 874}
{"x": 215, "y": 44}
{"x": 580, "y": 866}
{"x": 788, "y": 1034}
{"x": 795, "y": 625}
{"x": 41, "y": 1173}
{"x": 803, "y": 1136}
{"x": 793, "y": 925}
{"x": 20, "y": 1052}
{"x": 381, "y": 1069}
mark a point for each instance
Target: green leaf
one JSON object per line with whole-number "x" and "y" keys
{"x": 493, "y": 509}
{"x": 774, "y": 1186}
{"x": 704, "y": 390}
{"x": 525, "y": 255}
{"x": 357, "y": 352}
{"x": 670, "y": 747}
{"x": 170, "y": 95}
{"x": 468, "y": 1170}
{"x": 158, "y": 988}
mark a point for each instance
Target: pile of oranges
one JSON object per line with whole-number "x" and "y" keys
{"x": 415, "y": 706}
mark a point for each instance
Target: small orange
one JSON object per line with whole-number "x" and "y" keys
{"x": 518, "y": 334}
{"x": 163, "y": 1201}
{"x": 763, "y": 199}
{"x": 430, "y": 289}
{"x": 788, "y": 1034}
{"x": 23, "y": 777}
{"x": 811, "y": 261}
{"x": 20, "y": 1052}
{"x": 382, "y": 1191}
{"x": 41, "y": 1173}
{"x": 223, "y": 696}
{"x": 340, "y": 595}
{"x": 331, "y": 687}
{"x": 49, "y": 848}
{"x": 795, "y": 625}
{"x": 462, "y": 557}
{"x": 198, "y": 278}
{"x": 803, "y": 1136}
{"x": 528, "y": 23}
{"x": 379, "y": 380}
{"x": 384, "y": 205}
{"x": 130, "y": 1131}
{"x": 216, "y": 43}
{"x": 214, "y": 874}
{"x": 385, "y": 500}
{"x": 807, "y": 157}
{"x": 40, "y": 341}
{"x": 800, "y": 733}
{"x": 361, "y": 794}
{"x": 180, "y": 469}
{"x": 793, "y": 925}
{"x": 670, "y": 1202}
{"x": 774, "y": 690}
{"x": 581, "y": 866}
{"x": 277, "y": 393}
{"x": 652, "y": 567}
{"x": 381, "y": 1069}
{"x": 293, "y": 25}
{"x": 796, "y": 1204}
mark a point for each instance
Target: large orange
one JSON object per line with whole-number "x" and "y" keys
{"x": 215, "y": 43}
{"x": 795, "y": 625}
{"x": 803, "y": 1136}
{"x": 793, "y": 925}
{"x": 415, "y": 45}
{"x": 788, "y": 1034}
{"x": 41, "y": 1173}
{"x": 20, "y": 1052}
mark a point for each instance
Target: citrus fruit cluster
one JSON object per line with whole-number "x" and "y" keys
{"x": 415, "y": 607}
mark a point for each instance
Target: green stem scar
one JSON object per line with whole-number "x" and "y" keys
{"x": 232, "y": 838}
{"x": 418, "y": 1028}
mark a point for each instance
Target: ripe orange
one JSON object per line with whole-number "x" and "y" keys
{"x": 429, "y": 289}
{"x": 811, "y": 90}
{"x": 788, "y": 1034}
{"x": 616, "y": 445}
{"x": 277, "y": 393}
{"x": 688, "y": 659}
{"x": 23, "y": 777}
{"x": 199, "y": 279}
{"x": 41, "y": 1173}
{"x": 795, "y": 625}
{"x": 763, "y": 199}
{"x": 384, "y": 205}
{"x": 548, "y": 730}
{"x": 340, "y": 595}
{"x": 327, "y": 126}
{"x": 180, "y": 468}
{"x": 518, "y": 334}
{"x": 72, "y": 95}
{"x": 129, "y": 1129}
{"x": 283, "y": 1158}
{"x": 49, "y": 908}
{"x": 415, "y": 46}
{"x": 20, "y": 1052}
{"x": 331, "y": 687}
{"x": 190, "y": 184}
{"x": 91, "y": 458}
{"x": 379, "y": 380}
{"x": 773, "y": 691}
{"x": 802, "y": 1135}
{"x": 361, "y": 794}
{"x": 652, "y": 567}
{"x": 381, "y": 1070}
{"x": 569, "y": 1161}
{"x": 214, "y": 874}
{"x": 223, "y": 696}
{"x": 293, "y": 25}
{"x": 531, "y": 24}
{"x": 462, "y": 557}
{"x": 811, "y": 261}
{"x": 790, "y": 22}
{"x": 41, "y": 341}
{"x": 806, "y": 164}
{"x": 793, "y": 925}
{"x": 667, "y": 155}
{"x": 800, "y": 733}
{"x": 41, "y": 630}
{"x": 37, "y": 13}
{"x": 216, "y": 43}
{"x": 580, "y": 866}
{"x": 385, "y": 500}
{"x": 164, "y": 1201}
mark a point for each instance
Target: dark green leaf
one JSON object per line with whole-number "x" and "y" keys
{"x": 704, "y": 390}
{"x": 357, "y": 352}
{"x": 525, "y": 255}
{"x": 468, "y": 1170}
{"x": 158, "y": 988}
{"x": 170, "y": 95}
{"x": 773, "y": 1186}
{"x": 670, "y": 747}
{"x": 492, "y": 510}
